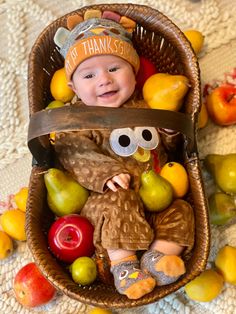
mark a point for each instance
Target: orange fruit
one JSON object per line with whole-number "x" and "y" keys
{"x": 13, "y": 223}
{"x": 196, "y": 39}
{"x": 177, "y": 176}
{"x": 203, "y": 117}
{"x": 20, "y": 198}
{"x": 206, "y": 287}
{"x": 59, "y": 88}
{"x": 6, "y": 245}
{"x": 226, "y": 263}
{"x": 98, "y": 310}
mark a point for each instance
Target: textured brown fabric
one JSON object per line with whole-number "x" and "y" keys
{"x": 118, "y": 217}
{"x": 176, "y": 224}
{"x": 119, "y": 220}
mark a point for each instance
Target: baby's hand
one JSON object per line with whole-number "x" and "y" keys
{"x": 121, "y": 180}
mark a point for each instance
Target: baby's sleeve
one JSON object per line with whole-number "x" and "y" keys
{"x": 84, "y": 159}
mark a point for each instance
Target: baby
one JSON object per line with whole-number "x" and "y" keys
{"x": 101, "y": 64}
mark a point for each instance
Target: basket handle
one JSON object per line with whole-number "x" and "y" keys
{"x": 69, "y": 118}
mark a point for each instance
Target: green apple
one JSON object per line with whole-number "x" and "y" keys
{"x": 83, "y": 270}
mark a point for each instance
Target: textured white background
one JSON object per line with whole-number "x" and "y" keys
{"x": 21, "y": 21}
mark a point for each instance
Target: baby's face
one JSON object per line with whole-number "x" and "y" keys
{"x": 106, "y": 81}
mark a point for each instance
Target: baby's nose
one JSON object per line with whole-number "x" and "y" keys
{"x": 105, "y": 79}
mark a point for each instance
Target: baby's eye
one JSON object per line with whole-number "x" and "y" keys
{"x": 89, "y": 76}
{"x": 113, "y": 69}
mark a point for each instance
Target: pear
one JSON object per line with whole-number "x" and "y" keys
{"x": 222, "y": 208}
{"x": 223, "y": 170}
{"x": 64, "y": 195}
{"x": 165, "y": 91}
{"x": 156, "y": 192}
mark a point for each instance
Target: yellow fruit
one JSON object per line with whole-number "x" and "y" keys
{"x": 142, "y": 155}
{"x": 55, "y": 104}
{"x": 177, "y": 176}
{"x": 6, "y": 245}
{"x": 226, "y": 263}
{"x": 59, "y": 88}
{"x": 13, "y": 223}
{"x": 165, "y": 91}
{"x": 98, "y": 310}
{"x": 20, "y": 198}
{"x": 206, "y": 287}
{"x": 196, "y": 39}
{"x": 203, "y": 117}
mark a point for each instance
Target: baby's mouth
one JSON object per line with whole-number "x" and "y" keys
{"x": 108, "y": 94}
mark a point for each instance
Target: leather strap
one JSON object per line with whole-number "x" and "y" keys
{"x": 69, "y": 118}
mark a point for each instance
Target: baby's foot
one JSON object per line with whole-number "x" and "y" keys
{"x": 165, "y": 269}
{"x": 132, "y": 281}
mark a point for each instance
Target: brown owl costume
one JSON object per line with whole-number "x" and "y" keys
{"x": 93, "y": 157}
{"x": 118, "y": 217}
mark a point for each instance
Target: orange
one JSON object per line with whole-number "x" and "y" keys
{"x": 13, "y": 223}
{"x": 20, "y": 198}
{"x": 59, "y": 88}
{"x": 177, "y": 176}
{"x": 205, "y": 287}
{"x": 6, "y": 245}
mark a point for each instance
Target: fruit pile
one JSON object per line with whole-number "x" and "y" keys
{"x": 209, "y": 284}
{"x": 70, "y": 237}
{"x": 222, "y": 210}
{"x": 12, "y": 222}
{"x": 222, "y": 206}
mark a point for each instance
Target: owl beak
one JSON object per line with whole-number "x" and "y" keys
{"x": 134, "y": 275}
{"x": 142, "y": 155}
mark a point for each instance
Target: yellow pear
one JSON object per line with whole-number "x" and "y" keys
{"x": 165, "y": 91}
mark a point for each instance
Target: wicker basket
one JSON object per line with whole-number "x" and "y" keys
{"x": 157, "y": 38}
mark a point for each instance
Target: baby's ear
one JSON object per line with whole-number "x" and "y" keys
{"x": 72, "y": 86}
{"x": 61, "y": 36}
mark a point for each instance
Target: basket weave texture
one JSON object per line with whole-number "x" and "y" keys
{"x": 158, "y": 39}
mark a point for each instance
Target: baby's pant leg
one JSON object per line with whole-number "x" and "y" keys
{"x": 119, "y": 220}
{"x": 176, "y": 224}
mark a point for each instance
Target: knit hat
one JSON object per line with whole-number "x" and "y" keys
{"x": 93, "y": 37}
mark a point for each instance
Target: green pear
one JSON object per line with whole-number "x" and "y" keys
{"x": 223, "y": 170}
{"x": 222, "y": 208}
{"x": 64, "y": 195}
{"x": 156, "y": 192}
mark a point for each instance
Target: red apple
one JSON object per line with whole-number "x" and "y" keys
{"x": 221, "y": 105}
{"x": 31, "y": 288}
{"x": 146, "y": 69}
{"x": 70, "y": 237}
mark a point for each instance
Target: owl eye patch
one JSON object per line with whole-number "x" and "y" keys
{"x": 123, "y": 274}
{"x": 125, "y": 141}
{"x": 148, "y": 137}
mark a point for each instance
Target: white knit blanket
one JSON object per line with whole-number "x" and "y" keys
{"x": 21, "y": 21}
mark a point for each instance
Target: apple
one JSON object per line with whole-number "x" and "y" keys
{"x": 221, "y": 104}
{"x": 84, "y": 270}
{"x": 146, "y": 69}
{"x": 31, "y": 288}
{"x": 70, "y": 237}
